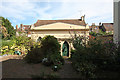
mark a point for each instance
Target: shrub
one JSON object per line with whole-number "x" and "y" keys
{"x": 95, "y": 55}
{"x": 50, "y": 45}
{"x": 34, "y": 56}
{"x": 106, "y": 55}
{"x": 51, "y": 49}
{"x": 55, "y": 58}
{"x": 81, "y": 61}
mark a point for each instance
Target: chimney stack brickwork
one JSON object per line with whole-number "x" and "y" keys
{"x": 17, "y": 27}
{"x": 21, "y": 26}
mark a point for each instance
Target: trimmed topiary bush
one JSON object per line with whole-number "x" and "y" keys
{"x": 50, "y": 45}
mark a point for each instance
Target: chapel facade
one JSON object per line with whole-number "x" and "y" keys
{"x": 63, "y": 30}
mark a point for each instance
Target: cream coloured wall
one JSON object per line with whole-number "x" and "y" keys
{"x": 58, "y": 34}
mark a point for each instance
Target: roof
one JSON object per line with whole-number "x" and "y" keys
{"x": 60, "y": 26}
{"x": 70, "y": 21}
{"x": 26, "y": 25}
{"x": 108, "y": 26}
{"x": 93, "y": 26}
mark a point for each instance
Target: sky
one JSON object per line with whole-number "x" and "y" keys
{"x": 29, "y": 11}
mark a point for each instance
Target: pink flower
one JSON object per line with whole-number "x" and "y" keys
{"x": 110, "y": 41}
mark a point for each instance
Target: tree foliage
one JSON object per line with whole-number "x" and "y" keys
{"x": 49, "y": 48}
{"x": 50, "y": 45}
{"x": 10, "y": 29}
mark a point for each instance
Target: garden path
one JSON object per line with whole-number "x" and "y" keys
{"x": 67, "y": 71}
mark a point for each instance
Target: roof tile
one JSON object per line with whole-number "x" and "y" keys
{"x": 71, "y": 21}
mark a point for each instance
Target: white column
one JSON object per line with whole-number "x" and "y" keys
{"x": 116, "y": 36}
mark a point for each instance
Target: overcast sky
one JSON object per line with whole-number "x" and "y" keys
{"x": 29, "y": 11}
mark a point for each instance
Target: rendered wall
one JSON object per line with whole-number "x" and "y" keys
{"x": 58, "y": 34}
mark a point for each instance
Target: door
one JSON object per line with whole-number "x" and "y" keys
{"x": 65, "y": 49}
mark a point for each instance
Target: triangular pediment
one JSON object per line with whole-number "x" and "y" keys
{"x": 58, "y": 25}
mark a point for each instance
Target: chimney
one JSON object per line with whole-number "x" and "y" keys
{"x": 83, "y": 18}
{"x": 21, "y": 26}
{"x": 17, "y": 27}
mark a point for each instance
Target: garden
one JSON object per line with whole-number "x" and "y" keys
{"x": 12, "y": 44}
{"x": 47, "y": 53}
{"x": 98, "y": 58}
{"x": 21, "y": 44}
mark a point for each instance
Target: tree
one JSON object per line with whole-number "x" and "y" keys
{"x": 93, "y": 34}
{"x": 9, "y": 28}
{"x": 101, "y": 32}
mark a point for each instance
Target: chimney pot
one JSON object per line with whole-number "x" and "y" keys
{"x": 17, "y": 27}
{"x": 83, "y": 18}
{"x": 21, "y": 25}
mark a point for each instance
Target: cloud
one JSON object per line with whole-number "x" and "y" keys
{"x": 75, "y": 10}
{"x": 18, "y": 10}
{"x": 27, "y": 11}
{"x": 57, "y": 0}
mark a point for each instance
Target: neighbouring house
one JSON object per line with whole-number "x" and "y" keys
{"x": 94, "y": 28}
{"x": 107, "y": 27}
{"x": 23, "y": 29}
{"x": 63, "y": 30}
